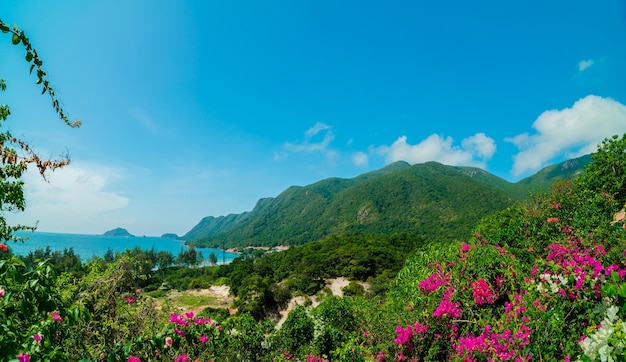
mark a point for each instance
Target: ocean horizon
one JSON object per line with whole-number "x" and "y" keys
{"x": 90, "y": 245}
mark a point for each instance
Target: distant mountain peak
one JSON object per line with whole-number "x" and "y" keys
{"x": 118, "y": 232}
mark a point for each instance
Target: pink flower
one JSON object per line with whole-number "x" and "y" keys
{"x": 366, "y": 334}
{"x": 433, "y": 282}
{"x": 404, "y": 335}
{"x": 181, "y": 358}
{"x": 133, "y": 359}
{"x": 204, "y": 339}
{"x": 2, "y": 291}
{"x": 420, "y": 328}
{"x": 23, "y": 357}
{"x": 130, "y": 299}
{"x": 189, "y": 315}
{"x": 37, "y": 337}
{"x": 552, "y": 220}
{"x": 447, "y": 308}
{"x": 482, "y": 292}
{"x": 168, "y": 341}
{"x": 57, "y": 317}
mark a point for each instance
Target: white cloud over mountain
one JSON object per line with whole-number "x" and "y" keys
{"x": 475, "y": 150}
{"x": 569, "y": 132}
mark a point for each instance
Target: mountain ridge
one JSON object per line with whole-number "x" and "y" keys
{"x": 423, "y": 199}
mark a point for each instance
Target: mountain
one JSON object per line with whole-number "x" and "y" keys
{"x": 564, "y": 170}
{"x": 429, "y": 200}
{"x": 169, "y": 236}
{"x": 119, "y": 232}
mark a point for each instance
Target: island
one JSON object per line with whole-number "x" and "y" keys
{"x": 119, "y": 232}
{"x": 169, "y": 236}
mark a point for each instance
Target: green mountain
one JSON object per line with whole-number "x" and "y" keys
{"x": 119, "y": 232}
{"x": 429, "y": 200}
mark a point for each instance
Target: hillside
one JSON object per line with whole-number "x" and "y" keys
{"x": 118, "y": 232}
{"x": 422, "y": 199}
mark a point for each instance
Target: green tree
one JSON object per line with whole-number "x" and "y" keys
{"x": 164, "y": 259}
{"x": 16, "y": 155}
{"x": 607, "y": 172}
{"x": 212, "y": 258}
{"x": 30, "y": 302}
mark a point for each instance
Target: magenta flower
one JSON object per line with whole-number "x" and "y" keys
{"x": 57, "y": 317}
{"x": 482, "y": 292}
{"x": 447, "y": 308}
{"x": 181, "y": 358}
{"x": 23, "y": 357}
{"x": 404, "y": 335}
{"x": 204, "y": 339}
{"x": 2, "y": 292}
{"x": 130, "y": 299}
{"x": 37, "y": 337}
{"x": 433, "y": 282}
{"x": 420, "y": 328}
{"x": 189, "y": 315}
{"x": 133, "y": 359}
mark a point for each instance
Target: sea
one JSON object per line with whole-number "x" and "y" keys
{"x": 88, "y": 246}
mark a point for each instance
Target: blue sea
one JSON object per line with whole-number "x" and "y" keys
{"x": 88, "y": 246}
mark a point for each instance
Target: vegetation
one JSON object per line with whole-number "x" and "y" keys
{"x": 539, "y": 280}
{"x": 430, "y": 200}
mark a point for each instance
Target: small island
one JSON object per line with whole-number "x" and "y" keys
{"x": 119, "y": 232}
{"x": 169, "y": 236}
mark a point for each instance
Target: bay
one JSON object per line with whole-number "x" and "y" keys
{"x": 88, "y": 246}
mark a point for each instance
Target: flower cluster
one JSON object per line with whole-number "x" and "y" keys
{"x": 609, "y": 336}
{"x": 482, "y": 292}
{"x": 446, "y": 307}
{"x": 434, "y": 281}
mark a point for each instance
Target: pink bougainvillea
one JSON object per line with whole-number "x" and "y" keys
{"x": 482, "y": 292}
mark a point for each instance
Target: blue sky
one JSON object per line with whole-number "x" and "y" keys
{"x": 198, "y": 108}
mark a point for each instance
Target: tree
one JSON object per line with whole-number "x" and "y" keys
{"x": 607, "y": 172}
{"x": 29, "y": 297}
{"x": 164, "y": 259}
{"x": 16, "y": 155}
{"x": 212, "y": 258}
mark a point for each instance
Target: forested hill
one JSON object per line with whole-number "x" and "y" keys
{"x": 429, "y": 200}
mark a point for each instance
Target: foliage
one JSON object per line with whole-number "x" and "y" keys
{"x": 423, "y": 200}
{"x": 541, "y": 280}
{"x": 607, "y": 173}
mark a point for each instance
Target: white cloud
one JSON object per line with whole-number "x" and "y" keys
{"x": 474, "y": 150}
{"x": 311, "y": 143}
{"x": 73, "y": 196}
{"x": 360, "y": 159}
{"x": 584, "y": 64}
{"x": 570, "y": 132}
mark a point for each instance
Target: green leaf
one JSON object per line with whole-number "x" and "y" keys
{"x": 29, "y": 57}
{"x": 15, "y": 39}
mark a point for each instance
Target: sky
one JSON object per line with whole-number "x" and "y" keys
{"x": 201, "y": 108}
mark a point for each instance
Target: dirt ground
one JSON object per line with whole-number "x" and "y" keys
{"x": 217, "y": 296}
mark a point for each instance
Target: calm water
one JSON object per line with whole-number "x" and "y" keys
{"x": 89, "y": 245}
